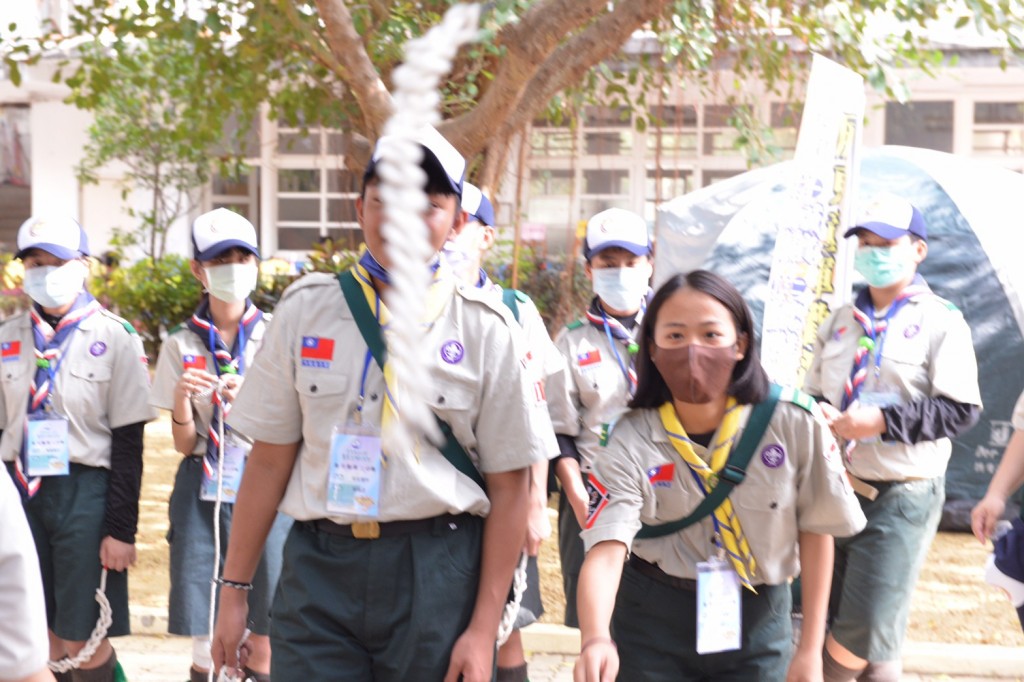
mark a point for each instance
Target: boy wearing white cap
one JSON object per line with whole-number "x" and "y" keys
{"x": 896, "y": 376}
{"x": 464, "y": 252}
{"x": 201, "y": 367}
{"x": 403, "y": 573}
{"x": 73, "y": 390}
{"x": 599, "y": 351}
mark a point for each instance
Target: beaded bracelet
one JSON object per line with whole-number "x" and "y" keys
{"x": 245, "y": 587}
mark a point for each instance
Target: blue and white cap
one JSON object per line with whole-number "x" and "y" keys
{"x": 215, "y": 232}
{"x": 477, "y": 205}
{"x": 440, "y": 158}
{"x": 617, "y": 227}
{"x": 890, "y": 217}
{"x": 62, "y": 237}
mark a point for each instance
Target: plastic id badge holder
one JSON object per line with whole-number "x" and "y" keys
{"x": 353, "y": 482}
{"x": 719, "y": 625}
{"x": 46, "y": 444}
{"x": 236, "y": 451}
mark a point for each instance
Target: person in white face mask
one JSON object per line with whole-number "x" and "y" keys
{"x": 201, "y": 366}
{"x": 896, "y": 377}
{"x": 599, "y": 350}
{"x": 73, "y": 388}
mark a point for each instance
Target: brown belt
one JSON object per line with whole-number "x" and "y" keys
{"x": 371, "y": 530}
{"x": 872, "y": 489}
{"x": 654, "y": 573}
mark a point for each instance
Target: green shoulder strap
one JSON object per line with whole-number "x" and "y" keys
{"x": 731, "y": 475}
{"x": 370, "y": 330}
{"x": 511, "y": 300}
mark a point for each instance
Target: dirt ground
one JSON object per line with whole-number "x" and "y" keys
{"x": 951, "y": 604}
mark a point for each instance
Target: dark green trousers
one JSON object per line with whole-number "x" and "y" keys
{"x": 570, "y": 552}
{"x": 388, "y": 609}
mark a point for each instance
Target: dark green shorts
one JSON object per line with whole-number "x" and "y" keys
{"x": 66, "y": 518}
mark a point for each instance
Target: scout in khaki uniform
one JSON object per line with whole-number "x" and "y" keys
{"x": 212, "y": 351}
{"x": 399, "y": 563}
{"x": 465, "y": 251}
{"x": 73, "y": 406}
{"x": 897, "y": 376}
{"x": 23, "y": 644}
{"x": 1005, "y": 568}
{"x": 599, "y": 350}
{"x": 709, "y": 600}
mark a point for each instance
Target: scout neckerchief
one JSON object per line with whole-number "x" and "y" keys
{"x": 727, "y": 524}
{"x": 51, "y": 346}
{"x": 437, "y": 299}
{"x": 871, "y": 343}
{"x": 225, "y": 361}
{"x": 617, "y": 332}
{"x": 484, "y": 282}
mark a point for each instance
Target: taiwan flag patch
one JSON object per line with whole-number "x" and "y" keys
{"x": 10, "y": 350}
{"x": 591, "y": 357}
{"x": 662, "y": 476}
{"x": 317, "y": 352}
{"x": 193, "y": 362}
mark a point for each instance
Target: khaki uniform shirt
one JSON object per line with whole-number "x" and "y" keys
{"x": 927, "y": 353}
{"x": 102, "y": 384}
{"x": 591, "y": 392}
{"x": 478, "y": 385}
{"x": 794, "y": 482}
{"x": 170, "y": 366}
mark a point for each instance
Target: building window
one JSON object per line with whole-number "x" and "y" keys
{"x": 998, "y": 128}
{"x": 15, "y": 171}
{"x": 719, "y": 134}
{"x": 547, "y": 140}
{"x": 785, "y": 121}
{"x": 920, "y": 124}
{"x": 607, "y": 131}
{"x": 239, "y": 194}
{"x": 672, "y": 131}
{"x": 664, "y": 184}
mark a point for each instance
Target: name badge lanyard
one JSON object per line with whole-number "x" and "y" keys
{"x": 875, "y": 334}
{"x": 705, "y": 491}
{"x": 627, "y": 369}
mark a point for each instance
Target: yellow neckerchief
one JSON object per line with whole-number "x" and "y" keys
{"x": 438, "y": 297}
{"x": 727, "y": 524}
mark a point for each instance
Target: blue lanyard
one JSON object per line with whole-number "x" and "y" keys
{"x": 615, "y": 350}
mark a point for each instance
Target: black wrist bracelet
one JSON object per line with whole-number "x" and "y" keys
{"x": 245, "y": 587}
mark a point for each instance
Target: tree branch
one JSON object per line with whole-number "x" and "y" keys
{"x": 314, "y": 40}
{"x": 361, "y": 76}
{"x": 570, "y": 62}
{"x": 528, "y": 43}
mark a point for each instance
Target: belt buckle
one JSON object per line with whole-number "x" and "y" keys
{"x": 366, "y": 530}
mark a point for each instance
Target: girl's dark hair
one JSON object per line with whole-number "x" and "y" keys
{"x": 749, "y": 380}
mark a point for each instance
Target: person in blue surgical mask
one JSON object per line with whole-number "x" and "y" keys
{"x": 201, "y": 367}
{"x": 599, "y": 378}
{"x": 896, "y": 377}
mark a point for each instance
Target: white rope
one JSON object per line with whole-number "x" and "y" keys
{"x": 511, "y": 612}
{"x": 416, "y": 100}
{"x": 216, "y": 523}
{"x": 99, "y": 633}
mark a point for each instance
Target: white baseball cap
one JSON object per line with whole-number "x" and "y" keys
{"x": 62, "y": 237}
{"x": 440, "y": 158}
{"x": 477, "y": 205}
{"x": 215, "y": 232}
{"x": 617, "y": 227}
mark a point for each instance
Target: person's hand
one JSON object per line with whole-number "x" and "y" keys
{"x": 229, "y": 385}
{"x": 859, "y": 422}
{"x": 538, "y": 527}
{"x": 986, "y": 515}
{"x": 805, "y": 666}
{"x": 228, "y": 647}
{"x": 194, "y": 381}
{"x": 581, "y": 508}
{"x": 472, "y": 657}
{"x": 598, "y": 662}
{"x": 116, "y": 555}
{"x": 829, "y": 411}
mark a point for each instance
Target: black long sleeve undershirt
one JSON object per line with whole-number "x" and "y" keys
{"x": 566, "y": 447}
{"x": 121, "y": 519}
{"x": 928, "y": 419}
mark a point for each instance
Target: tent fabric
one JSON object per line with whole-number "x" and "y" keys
{"x": 976, "y": 239}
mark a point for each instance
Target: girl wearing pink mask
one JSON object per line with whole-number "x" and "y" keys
{"x": 709, "y": 598}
